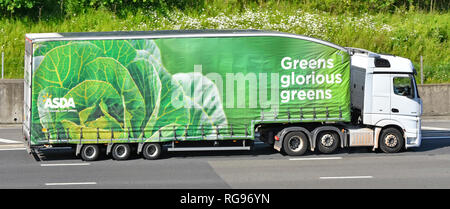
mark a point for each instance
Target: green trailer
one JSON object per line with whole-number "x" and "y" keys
{"x": 186, "y": 90}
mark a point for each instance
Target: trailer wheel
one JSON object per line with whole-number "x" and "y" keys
{"x": 295, "y": 143}
{"x": 391, "y": 140}
{"x": 327, "y": 141}
{"x": 121, "y": 151}
{"x": 90, "y": 152}
{"x": 151, "y": 151}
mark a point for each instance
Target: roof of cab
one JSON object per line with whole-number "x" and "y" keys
{"x": 397, "y": 64}
{"x": 42, "y": 37}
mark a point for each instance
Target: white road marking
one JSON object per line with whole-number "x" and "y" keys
{"x": 65, "y": 164}
{"x": 347, "y": 177}
{"x": 436, "y": 137}
{"x": 435, "y": 128}
{"x": 8, "y": 141}
{"x": 318, "y": 158}
{"x": 11, "y": 149}
{"x": 70, "y": 183}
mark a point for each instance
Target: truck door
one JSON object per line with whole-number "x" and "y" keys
{"x": 406, "y": 107}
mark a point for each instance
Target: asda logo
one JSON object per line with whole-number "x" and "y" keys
{"x": 56, "y": 103}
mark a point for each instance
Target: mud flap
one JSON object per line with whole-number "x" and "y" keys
{"x": 277, "y": 145}
{"x": 108, "y": 148}
{"x": 140, "y": 147}
{"x": 78, "y": 149}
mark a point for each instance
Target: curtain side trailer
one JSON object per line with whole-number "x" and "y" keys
{"x": 199, "y": 90}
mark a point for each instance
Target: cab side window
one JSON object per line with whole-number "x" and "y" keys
{"x": 403, "y": 86}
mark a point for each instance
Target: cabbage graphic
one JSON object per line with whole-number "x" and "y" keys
{"x": 121, "y": 90}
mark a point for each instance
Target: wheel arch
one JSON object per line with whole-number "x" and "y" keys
{"x": 390, "y": 123}
{"x": 395, "y": 127}
{"x": 281, "y": 134}
{"x": 385, "y": 124}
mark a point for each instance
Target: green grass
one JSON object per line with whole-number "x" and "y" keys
{"x": 403, "y": 33}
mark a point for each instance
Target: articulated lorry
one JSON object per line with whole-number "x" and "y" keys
{"x": 117, "y": 93}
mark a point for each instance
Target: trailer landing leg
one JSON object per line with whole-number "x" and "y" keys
{"x": 36, "y": 153}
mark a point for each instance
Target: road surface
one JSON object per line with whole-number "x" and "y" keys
{"x": 424, "y": 167}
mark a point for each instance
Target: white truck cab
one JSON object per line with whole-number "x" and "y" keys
{"x": 385, "y": 99}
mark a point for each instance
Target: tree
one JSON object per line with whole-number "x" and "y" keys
{"x": 12, "y": 5}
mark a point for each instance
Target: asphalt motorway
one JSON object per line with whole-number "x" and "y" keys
{"x": 424, "y": 167}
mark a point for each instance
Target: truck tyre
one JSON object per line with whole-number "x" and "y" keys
{"x": 295, "y": 143}
{"x": 90, "y": 152}
{"x": 391, "y": 140}
{"x": 121, "y": 151}
{"x": 327, "y": 141}
{"x": 151, "y": 151}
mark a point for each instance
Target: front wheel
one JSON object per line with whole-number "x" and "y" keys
{"x": 295, "y": 143}
{"x": 391, "y": 140}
